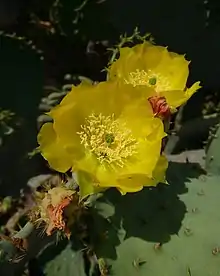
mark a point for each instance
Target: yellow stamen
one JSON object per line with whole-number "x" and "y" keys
{"x": 149, "y": 78}
{"x": 109, "y": 140}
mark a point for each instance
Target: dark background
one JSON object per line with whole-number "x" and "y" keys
{"x": 189, "y": 26}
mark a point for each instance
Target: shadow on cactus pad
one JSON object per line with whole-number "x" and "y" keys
{"x": 153, "y": 215}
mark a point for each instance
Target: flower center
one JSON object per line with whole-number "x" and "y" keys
{"x": 149, "y": 78}
{"x": 152, "y": 81}
{"x": 109, "y": 138}
{"x": 111, "y": 141}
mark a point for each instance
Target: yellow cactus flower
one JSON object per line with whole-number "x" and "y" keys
{"x": 154, "y": 66}
{"x": 107, "y": 134}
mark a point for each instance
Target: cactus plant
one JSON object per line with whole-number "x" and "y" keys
{"x": 162, "y": 230}
{"x": 170, "y": 230}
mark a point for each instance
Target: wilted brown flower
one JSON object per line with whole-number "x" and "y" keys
{"x": 52, "y": 209}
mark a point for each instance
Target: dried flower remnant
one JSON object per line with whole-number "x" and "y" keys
{"x": 52, "y": 209}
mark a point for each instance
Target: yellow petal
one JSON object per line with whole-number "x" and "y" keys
{"x": 87, "y": 184}
{"x": 177, "y": 98}
{"x": 144, "y": 161}
{"x": 174, "y": 98}
{"x": 52, "y": 149}
{"x": 178, "y": 72}
{"x": 107, "y": 176}
{"x": 142, "y": 48}
{"x": 174, "y": 70}
{"x": 70, "y": 97}
{"x": 125, "y": 52}
{"x": 67, "y": 122}
{"x": 128, "y": 62}
{"x": 135, "y": 183}
{"x": 131, "y": 184}
{"x": 154, "y": 57}
{"x": 139, "y": 118}
{"x": 190, "y": 91}
{"x": 104, "y": 98}
{"x": 124, "y": 183}
{"x": 88, "y": 163}
{"x": 157, "y": 130}
{"x": 159, "y": 173}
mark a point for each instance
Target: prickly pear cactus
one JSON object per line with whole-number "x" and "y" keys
{"x": 213, "y": 151}
{"x": 168, "y": 230}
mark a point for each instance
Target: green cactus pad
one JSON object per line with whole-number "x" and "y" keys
{"x": 163, "y": 231}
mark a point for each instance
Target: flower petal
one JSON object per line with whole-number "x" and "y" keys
{"x": 174, "y": 98}
{"x": 139, "y": 118}
{"x": 159, "y": 173}
{"x": 154, "y": 57}
{"x": 131, "y": 184}
{"x": 144, "y": 161}
{"x": 52, "y": 149}
{"x": 88, "y": 163}
{"x": 174, "y": 70}
{"x": 128, "y": 62}
{"x": 135, "y": 184}
{"x": 190, "y": 91}
{"x": 70, "y": 97}
{"x": 87, "y": 184}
